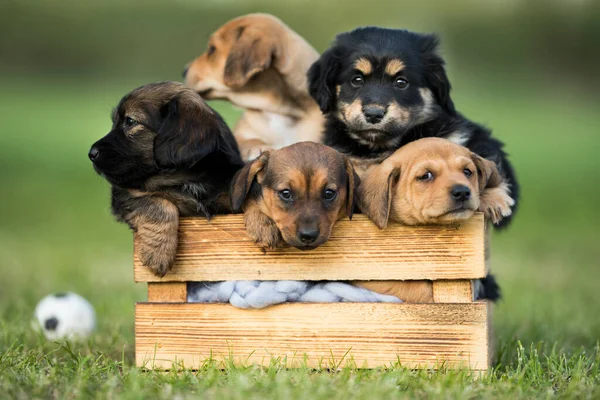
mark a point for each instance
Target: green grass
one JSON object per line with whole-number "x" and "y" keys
{"x": 56, "y": 234}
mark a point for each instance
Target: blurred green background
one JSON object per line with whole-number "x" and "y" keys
{"x": 528, "y": 69}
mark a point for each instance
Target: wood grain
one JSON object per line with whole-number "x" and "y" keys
{"x": 455, "y": 291}
{"x": 357, "y": 250}
{"x": 328, "y": 335}
{"x": 167, "y": 292}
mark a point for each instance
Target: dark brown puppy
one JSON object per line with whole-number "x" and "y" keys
{"x": 167, "y": 155}
{"x": 295, "y": 195}
{"x": 432, "y": 181}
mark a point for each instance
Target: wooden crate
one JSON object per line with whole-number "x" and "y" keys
{"x": 451, "y": 332}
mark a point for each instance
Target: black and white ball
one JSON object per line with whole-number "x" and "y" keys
{"x": 65, "y": 316}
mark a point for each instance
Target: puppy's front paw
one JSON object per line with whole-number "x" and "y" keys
{"x": 158, "y": 263}
{"x": 263, "y": 231}
{"x": 158, "y": 255}
{"x": 496, "y": 203}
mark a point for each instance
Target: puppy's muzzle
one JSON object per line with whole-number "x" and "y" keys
{"x": 374, "y": 114}
{"x": 460, "y": 193}
{"x": 308, "y": 234}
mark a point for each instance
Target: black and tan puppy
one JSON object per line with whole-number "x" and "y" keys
{"x": 383, "y": 88}
{"x": 167, "y": 155}
{"x": 432, "y": 181}
{"x": 295, "y": 195}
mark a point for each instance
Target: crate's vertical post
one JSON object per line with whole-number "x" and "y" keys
{"x": 167, "y": 292}
{"x": 453, "y": 291}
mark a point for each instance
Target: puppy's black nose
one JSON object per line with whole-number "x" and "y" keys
{"x": 94, "y": 153}
{"x": 308, "y": 234}
{"x": 373, "y": 114}
{"x": 185, "y": 70}
{"x": 460, "y": 193}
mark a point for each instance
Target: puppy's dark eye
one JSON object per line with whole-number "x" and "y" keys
{"x": 329, "y": 194}
{"x": 211, "y": 50}
{"x": 357, "y": 81}
{"x": 401, "y": 83}
{"x": 285, "y": 194}
{"x": 426, "y": 177}
{"x": 467, "y": 172}
{"x": 129, "y": 122}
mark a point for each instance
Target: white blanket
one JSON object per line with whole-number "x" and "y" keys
{"x": 261, "y": 294}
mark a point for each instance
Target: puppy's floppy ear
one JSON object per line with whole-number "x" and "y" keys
{"x": 375, "y": 193}
{"x": 353, "y": 183}
{"x": 435, "y": 73}
{"x": 189, "y": 132}
{"x": 322, "y": 77}
{"x": 242, "y": 181}
{"x": 487, "y": 173}
{"x": 253, "y": 52}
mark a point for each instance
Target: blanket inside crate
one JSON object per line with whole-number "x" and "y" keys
{"x": 261, "y": 294}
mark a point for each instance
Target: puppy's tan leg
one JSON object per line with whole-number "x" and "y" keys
{"x": 261, "y": 228}
{"x": 496, "y": 203}
{"x": 252, "y": 148}
{"x": 156, "y": 234}
{"x": 407, "y": 291}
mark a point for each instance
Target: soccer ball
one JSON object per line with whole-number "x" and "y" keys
{"x": 65, "y": 316}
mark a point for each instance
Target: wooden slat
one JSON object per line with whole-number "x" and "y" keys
{"x": 455, "y": 291}
{"x": 491, "y": 336}
{"x": 329, "y": 335}
{"x": 357, "y": 250}
{"x": 167, "y": 292}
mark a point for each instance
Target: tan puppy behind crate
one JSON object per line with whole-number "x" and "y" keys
{"x": 259, "y": 64}
{"x": 432, "y": 181}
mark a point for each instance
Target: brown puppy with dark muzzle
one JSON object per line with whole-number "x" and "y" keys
{"x": 258, "y": 63}
{"x": 295, "y": 195}
{"x": 430, "y": 181}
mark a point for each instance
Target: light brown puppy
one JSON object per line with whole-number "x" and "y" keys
{"x": 295, "y": 195}
{"x": 258, "y": 63}
{"x": 430, "y": 181}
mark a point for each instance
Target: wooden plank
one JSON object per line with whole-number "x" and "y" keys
{"x": 455, "y": 291}
{"x": 357, "y": 250}
{"x": 317, "y": 335}
{"x": 167, "y": 292}
{"x": 491, "y": 336}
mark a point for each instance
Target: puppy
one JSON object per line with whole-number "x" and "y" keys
{"x": 383, "y": 88}
{"x": 295, "y": 195}
{"x": 167, "y": 155}
{"x": 432, "y": 181}
{"x": 259, "y": 64}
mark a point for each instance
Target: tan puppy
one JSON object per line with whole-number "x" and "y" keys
{"x": 258, "y": 63}
{"x": 430, "y": 181}
{"x": 433, "y": 181}
{"x": 295, "y": 195}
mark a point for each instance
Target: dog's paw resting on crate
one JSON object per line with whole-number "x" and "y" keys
{"x": 294, "y": 195}
{"x": 167, "y": 155}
